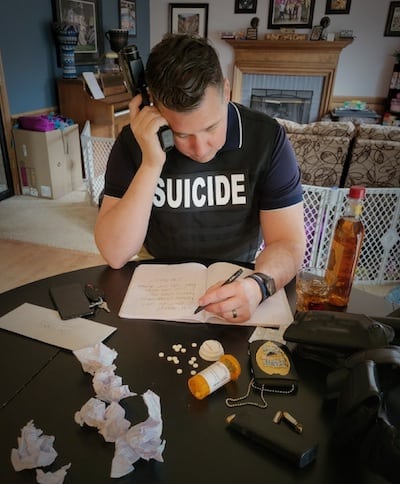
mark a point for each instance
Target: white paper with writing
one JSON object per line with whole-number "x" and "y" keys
{"x": 171, "y": 292}
{"x": 46, "y": 325}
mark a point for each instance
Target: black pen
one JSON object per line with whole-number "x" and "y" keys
{"x": 230, "y": 279}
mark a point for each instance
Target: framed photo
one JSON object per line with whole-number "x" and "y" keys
{"x": 337, "y": 6}
{"x": 245, "y": 6}
{"x": 295, "y": 14}
{"x": 87, "y": 16}
{"x": 188, "y": 18}
{"x": 316, "y": 32}
{"x": 127, "y": 16}
{"x": 392, "y": 28}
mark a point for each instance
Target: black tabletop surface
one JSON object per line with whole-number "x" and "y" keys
{"x": 47, "y": 384}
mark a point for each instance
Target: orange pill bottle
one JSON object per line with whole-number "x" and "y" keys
{"x": 226, "y": 369}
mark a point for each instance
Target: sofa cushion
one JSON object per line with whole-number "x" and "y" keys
{"x": 321, "y": 158}
{"x": 378, "y": 132}
{"x": 321, "y": 128}
{"x": 321, "y": 149}
{"x": 374, "y": 163}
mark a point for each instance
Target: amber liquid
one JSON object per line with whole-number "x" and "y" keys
{"x": 312, "y": 295}
{"x": 343, "y": 258}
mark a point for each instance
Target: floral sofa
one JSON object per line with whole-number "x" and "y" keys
{"x": 321, "y": 148}
{"x": 375, "y": 157}
{"x": 342, "y": 154}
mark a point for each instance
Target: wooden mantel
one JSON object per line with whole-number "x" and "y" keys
{"x": 288, "y": 58}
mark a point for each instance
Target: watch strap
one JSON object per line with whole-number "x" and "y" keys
{"x": 264, "y": 292}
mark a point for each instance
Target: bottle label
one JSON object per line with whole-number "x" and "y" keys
{"x": 357, "y": 210}
{"x": 216, "y": 375}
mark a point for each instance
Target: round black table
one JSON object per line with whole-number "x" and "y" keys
{"x": 47, "y": 384}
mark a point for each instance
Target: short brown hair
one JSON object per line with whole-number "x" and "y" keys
{"x": 179, "y": 69}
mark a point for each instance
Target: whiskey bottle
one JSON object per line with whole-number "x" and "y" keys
{"x": 345, "y": 249}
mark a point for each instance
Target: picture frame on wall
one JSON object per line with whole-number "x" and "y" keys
{"x": 127, "y": 16}
{"x": 316, "y": 32}
{"x": 87, "y": 16}
{"x": 245, "y": 6}
{"x": 392, "y": 28}
{"x": 337, "y": 6}
{"x": 283, "y": 14}
{"x": 188, "y": 18}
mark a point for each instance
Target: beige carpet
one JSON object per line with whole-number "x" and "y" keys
{"x": 67, "y": 222}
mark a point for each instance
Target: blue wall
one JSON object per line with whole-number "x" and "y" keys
{"x": 29, "y": 53}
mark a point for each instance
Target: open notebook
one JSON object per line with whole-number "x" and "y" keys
{"x": 171, "y": 291}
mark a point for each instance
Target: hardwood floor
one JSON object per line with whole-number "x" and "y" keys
{"x": 22, "y": 262}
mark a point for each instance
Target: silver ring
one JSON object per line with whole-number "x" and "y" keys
{"x": 234, "y": 313}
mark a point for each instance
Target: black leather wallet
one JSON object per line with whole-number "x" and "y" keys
{"x": 70, "y": 301}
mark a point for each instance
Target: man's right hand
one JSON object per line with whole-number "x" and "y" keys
{"x": 145, "y": 124}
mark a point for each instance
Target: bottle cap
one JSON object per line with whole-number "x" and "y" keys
{"x": 357, "y": 192}
{"x": 211, "y": 350}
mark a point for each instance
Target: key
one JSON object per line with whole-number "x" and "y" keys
{"x": 104, "y": 305}
{"x": 96, "y": 296}
{"x": 100, "y": 303}
{"x": 94, "y": 293}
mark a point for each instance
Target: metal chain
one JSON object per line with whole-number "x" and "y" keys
{"x": 238, "y": 402}
{"x": 273, "y": 390}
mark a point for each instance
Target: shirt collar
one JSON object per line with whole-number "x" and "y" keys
{"x": 234, "y": 129}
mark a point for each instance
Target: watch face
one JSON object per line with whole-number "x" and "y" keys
{"x": 271, "y": 286}
{"x": 269, "y": 283}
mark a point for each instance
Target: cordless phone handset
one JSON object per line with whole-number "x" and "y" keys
{"x": 133, "y": 71}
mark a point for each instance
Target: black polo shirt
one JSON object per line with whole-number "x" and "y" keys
{"x": 211, "y": 210}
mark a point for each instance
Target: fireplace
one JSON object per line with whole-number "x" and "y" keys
{"x": 289, "y": 104}
{"x": 310, "y": 62}
{"x": 296, "y": 98}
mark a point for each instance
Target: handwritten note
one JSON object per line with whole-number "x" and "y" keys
{"x": 46, "y": 325}
{"x": 168, "y": 294}
{"x": 171, "y": 291}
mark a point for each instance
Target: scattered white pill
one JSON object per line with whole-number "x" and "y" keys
{"x": 179, "y": 348}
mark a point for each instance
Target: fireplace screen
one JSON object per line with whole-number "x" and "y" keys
{"x": 290, "y": 104}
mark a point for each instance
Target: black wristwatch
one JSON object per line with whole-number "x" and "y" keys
{"x": 266, "y": 284}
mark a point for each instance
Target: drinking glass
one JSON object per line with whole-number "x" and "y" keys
{"x": 312, "y": 289}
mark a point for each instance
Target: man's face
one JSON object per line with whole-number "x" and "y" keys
{"x": 201, "y": 133}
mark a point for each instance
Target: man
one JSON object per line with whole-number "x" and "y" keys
{"x": 230, "y": 183}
